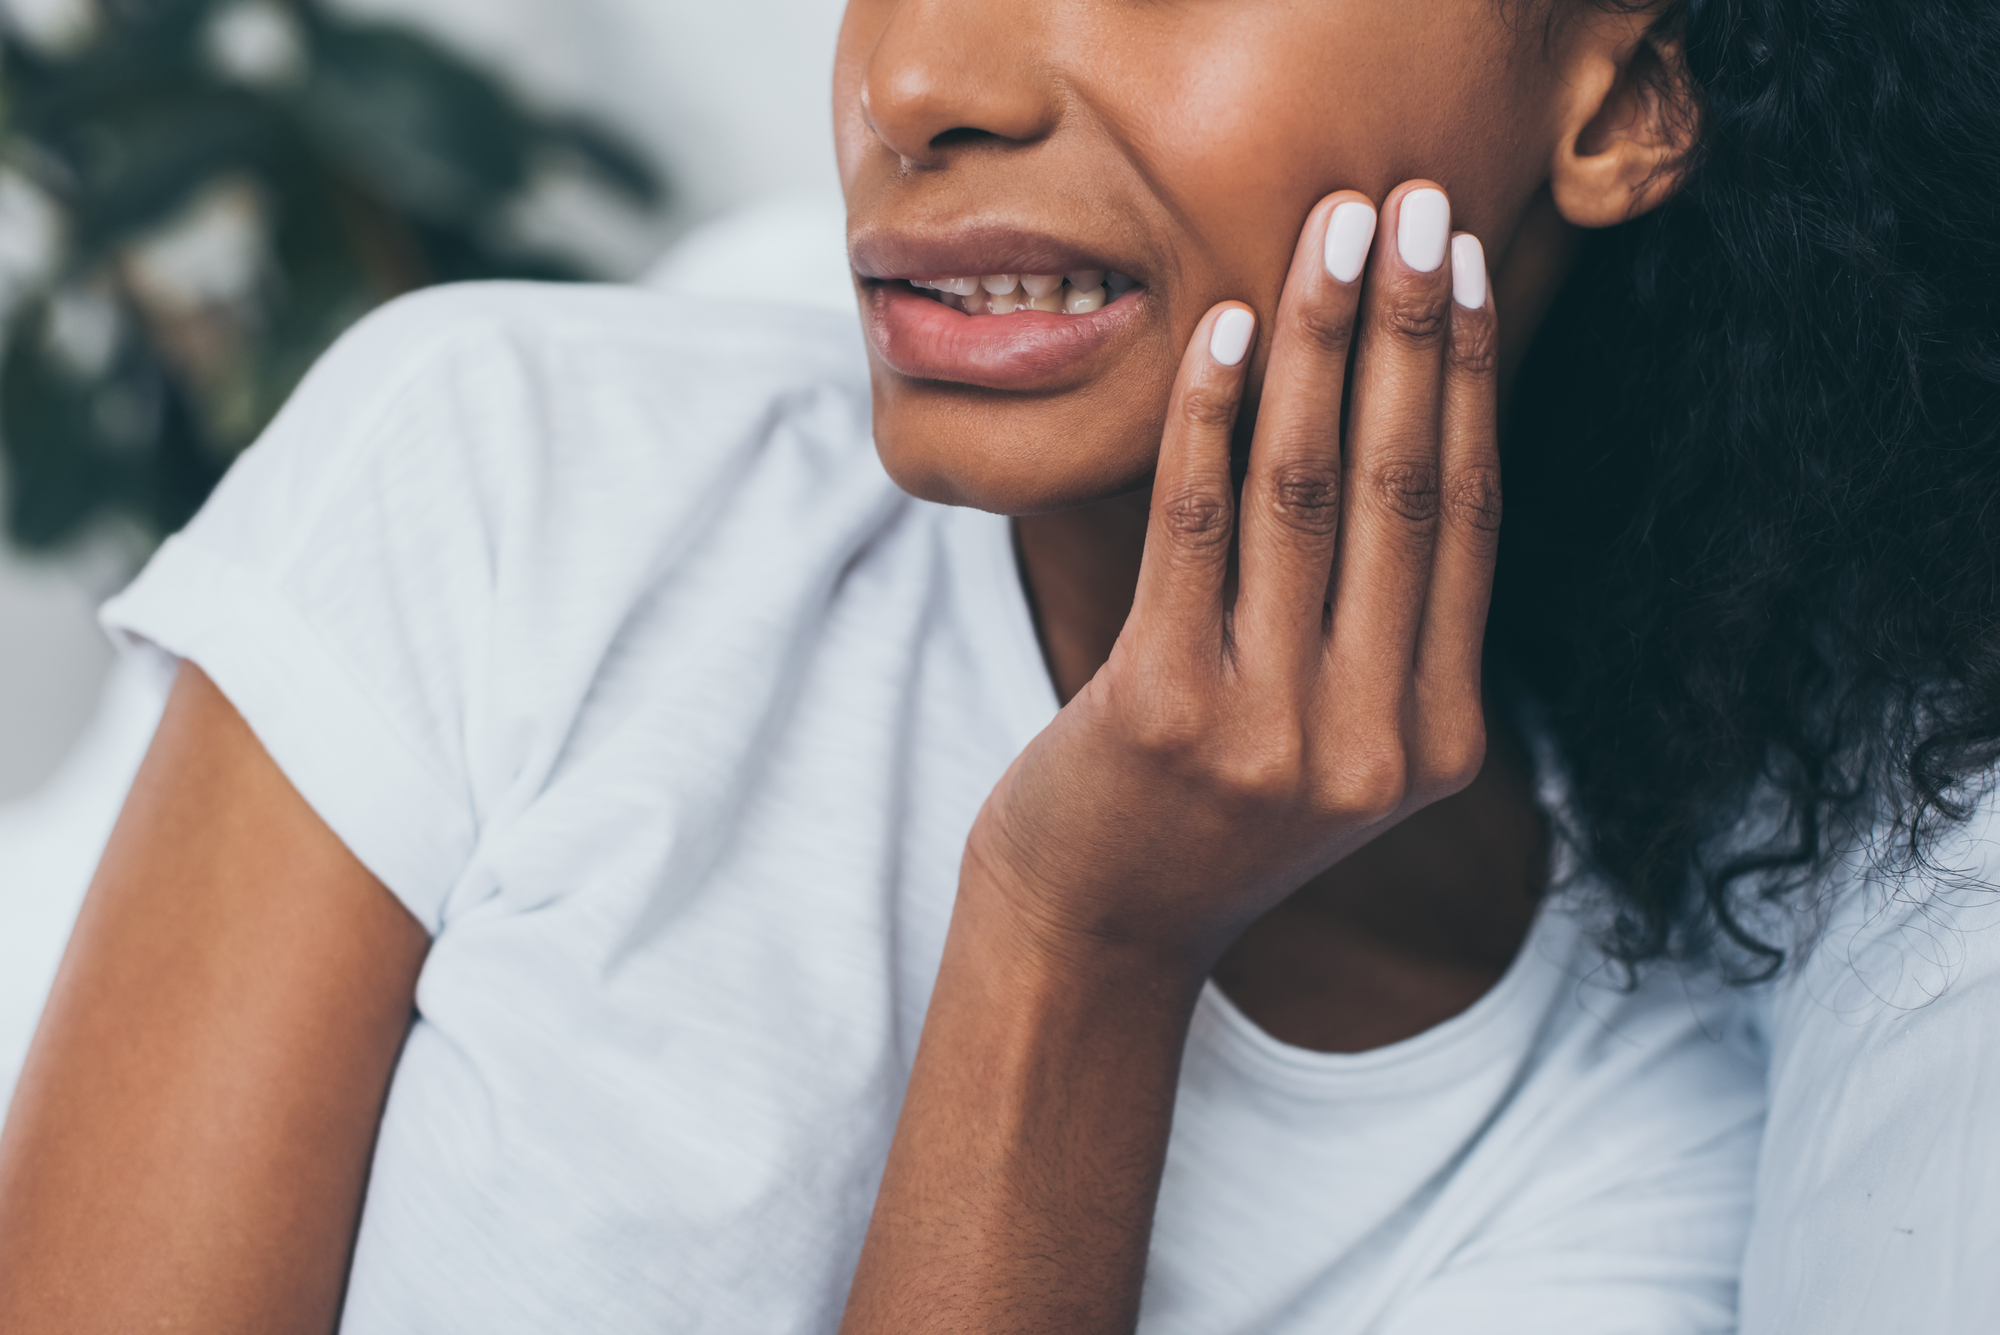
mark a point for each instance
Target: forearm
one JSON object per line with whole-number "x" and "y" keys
{"x": 1020, "y": 1186}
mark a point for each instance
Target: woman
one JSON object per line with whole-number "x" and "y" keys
{"x": 823, "y": 907}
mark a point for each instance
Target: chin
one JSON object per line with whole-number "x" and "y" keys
{"x": 1012, "y": 454}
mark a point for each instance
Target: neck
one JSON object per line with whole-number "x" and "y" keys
{"x": 1081, "y": 569}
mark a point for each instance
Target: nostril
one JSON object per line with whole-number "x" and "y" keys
{"x": 962, "y": 134}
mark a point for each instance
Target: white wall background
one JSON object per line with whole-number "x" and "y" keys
{"x": 730, "y": 99}
{"x": 733, "y": 98}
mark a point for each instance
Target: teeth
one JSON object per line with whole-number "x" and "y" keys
{"x": 1084, "y": 291}
{"x": 1082, "y": 303}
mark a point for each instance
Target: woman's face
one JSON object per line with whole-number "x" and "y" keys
{"x": 1179, "y": 143}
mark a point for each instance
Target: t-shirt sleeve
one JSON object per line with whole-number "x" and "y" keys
{"x": 1878, "y": 1192}
{"x": 339, "y": 586}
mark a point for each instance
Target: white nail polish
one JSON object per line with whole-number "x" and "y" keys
{"x": 1468, "y": 271}
{"x": 1230, "y": 338}
{"x": 1423, "y": 228}
{"x": 1349, "y": 233}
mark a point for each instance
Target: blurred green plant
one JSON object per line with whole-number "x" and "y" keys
{"x": 222, "y": 187}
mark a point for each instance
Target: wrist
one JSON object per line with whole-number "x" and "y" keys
{"x": 1056, "y": 947}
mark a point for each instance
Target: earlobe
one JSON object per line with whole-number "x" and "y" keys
{"x": 1630, "y": 128}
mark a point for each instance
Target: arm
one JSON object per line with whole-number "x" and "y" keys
{"x": 1235, "y": 744}
{"x": 189, "y": 1143}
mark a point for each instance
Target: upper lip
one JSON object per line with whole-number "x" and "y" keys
{"x": 968, "y": 250}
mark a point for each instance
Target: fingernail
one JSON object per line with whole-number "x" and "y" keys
{"x": 1230, "y": 338}
{"x": 1468, "y": 271}
{"x": 1423, "y": 228}
{"x": 1348, "y": 236}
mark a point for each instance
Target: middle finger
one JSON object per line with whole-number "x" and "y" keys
{"x": 1391, "y": 474}
{"x": 1291, "y": 494}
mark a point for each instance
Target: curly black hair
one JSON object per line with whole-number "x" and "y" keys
{"x": 1751, "y": 565}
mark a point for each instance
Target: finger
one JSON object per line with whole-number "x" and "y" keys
{"x": 1391, "y": 466}
{"x": 1186, "y": 562}
{"x": 1450, "y": 641}
{"x": 1291, "y": 495}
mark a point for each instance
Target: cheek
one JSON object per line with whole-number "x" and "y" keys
{"x": 1242, "y": 118}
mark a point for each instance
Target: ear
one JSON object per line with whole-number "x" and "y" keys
{"x": 1629, "y": 123}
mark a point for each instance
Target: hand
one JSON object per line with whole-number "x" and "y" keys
{"x": 1299, "y": 672}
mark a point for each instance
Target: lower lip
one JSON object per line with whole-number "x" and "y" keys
{"x": 1027, "y": 350}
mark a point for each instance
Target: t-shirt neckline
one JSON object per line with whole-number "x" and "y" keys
{"x": 1484, "y": 1031}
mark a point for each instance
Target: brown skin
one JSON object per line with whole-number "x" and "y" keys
{"x": 190, "y": 1140}
{"x": 1238, "y": 726}
{"x": 1297, "y": 805}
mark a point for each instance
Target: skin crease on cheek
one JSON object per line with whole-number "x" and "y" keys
{"x": 1183, "y": 144}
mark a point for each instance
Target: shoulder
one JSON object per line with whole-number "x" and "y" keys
{"x": 1880, "y": 1164}
{"x": 1646, "y": 1074}
{"x": 584, "y": 368}
{"x": 1612, "y": 1188}
{"x": 502, "y": 413}
{"x": 591, "y": 346}
{"x": 471, "y": 505}
{"x": 686, "y": 338}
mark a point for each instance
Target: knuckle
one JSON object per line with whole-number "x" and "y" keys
{"x": 1163, "y": 736}
{"x": 1305, "y": 497}
{"x": 1371, "y": 788}
{"x": 1210, "y": 408}
{"x": 1196, "y": 517}
{"x": 1267, "y": 776}
{"x": 1472, "y": 498}
{"x": 1328, "y": 330}
{"x": 1420, "y": 320}
{"x": 1165, "y": 725}
{"x": 1475, "y": 345}
{"x": 1409, "y": 488}
{"x": 1458, "y": 760}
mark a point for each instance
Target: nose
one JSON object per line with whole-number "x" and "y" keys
{"x": 947, "y": 73}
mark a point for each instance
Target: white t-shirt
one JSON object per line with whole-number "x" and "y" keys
{"x": 1878, "y": 1193}
{"x": 590, "y": 622}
